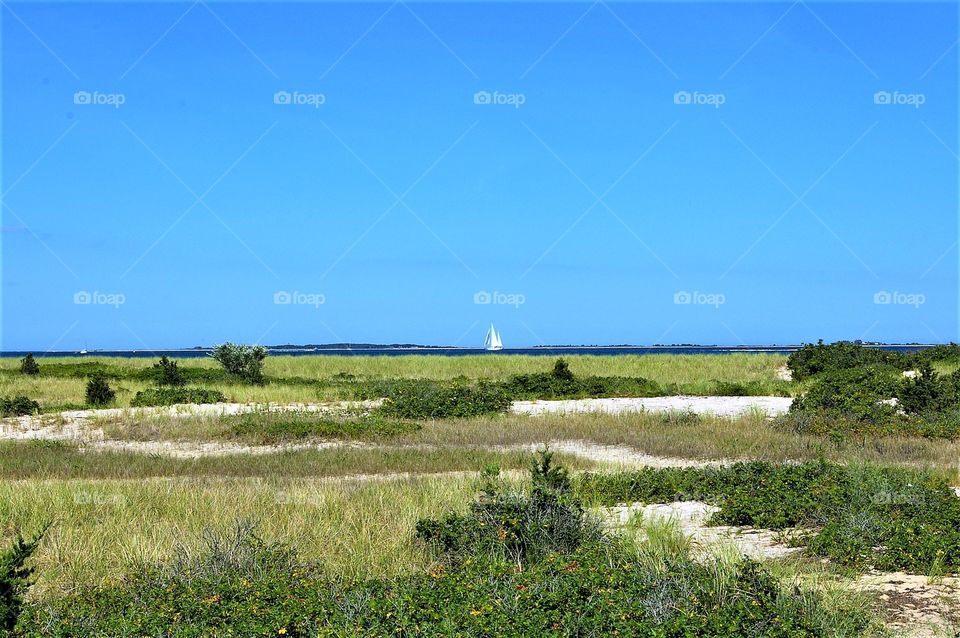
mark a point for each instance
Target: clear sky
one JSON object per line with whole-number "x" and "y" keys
{"x": 184, "y": 174}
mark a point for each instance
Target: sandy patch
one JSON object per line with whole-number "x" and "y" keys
{"x": 82, "y": 425}
{"x": 720, "y": 406}
{"x": 692, "y": 517}
{"x": 784, "y": 373}
{"x": 916, "y": 606}
{"x": 617, "y": 455}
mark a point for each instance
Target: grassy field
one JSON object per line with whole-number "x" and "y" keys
{"x": 301, "y": 379}
{"x": 351, "y": 509}
{"x": 104, "y": 528}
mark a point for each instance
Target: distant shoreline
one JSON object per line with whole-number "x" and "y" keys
{"x": 413, "y": 349}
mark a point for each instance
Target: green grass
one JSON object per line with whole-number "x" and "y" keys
{"x": 343, "y": 561}
{"x": 861, "y": 516}
{"x": 102, "y": 529}
{"x": 310, "y": 378}
{"x": 50, "y": 460}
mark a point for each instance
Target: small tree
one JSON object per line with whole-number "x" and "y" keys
{"x": 244, "y": 361}
{"x": 169, "y": 372}
{"x": 99, "y": 391}
{"x": 29, "y": 365}
{"x": 15, "y": 578}
{"x": 561, "y": 370}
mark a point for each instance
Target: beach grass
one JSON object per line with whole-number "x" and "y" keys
{"x": 103, "y": 529}
{"x": 302, "y": 378}
{"x": 678, "y": 435}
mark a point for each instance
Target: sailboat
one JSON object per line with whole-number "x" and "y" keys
{"x": 492, "y": 341}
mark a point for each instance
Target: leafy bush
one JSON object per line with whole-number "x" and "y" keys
{"x": 15, "y": 578}
{"x": 18, "y": 406}
{"x": 941, "y": 353}
{"x": 813, "y": 359}
{"x": 518, "y": 527}
{"x": 240, "y": 585}
{"x": 29, "y": 365}
{"x": 928, "y": 392}
{"x": 886, "y": 518}
{"x": 169, "y": 373}
{"x": 434, "y": 400}
{"x": 276, "y": 427}
{"x": 854, "y": 393}
{"x": 174, "y": 396}
{"x": 245, "y": 362}
{"x": 99, "y": 391}
{"x": 561, "y": 383}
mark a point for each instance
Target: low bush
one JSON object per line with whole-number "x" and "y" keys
{"x": 173, "y": 396}
{"x": 517, "y": 527}
{"x": 436, "y": 400}
{"x": 561, "y": 383}
{"x": 99, "y": 391}
{"x": 863, "y": 517}
{"x": 813, "y": 359}
{"x": 267, "y": 428}
{"x": 928, "y": 392}
{"x": 169, "y": 373}
{"x": 16, "y": 578}
{"x": 29, "y": 365}
{"x": 877, "y": 401}
{"x": 242, "y": 361}
{"x": 18, "y": 406}
{"x": 855, "y": 393}
{"x": 946, "y": 353}
{"x": 240, "y": 585}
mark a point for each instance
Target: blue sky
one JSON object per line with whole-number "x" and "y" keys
{"x": 184, "y": 174}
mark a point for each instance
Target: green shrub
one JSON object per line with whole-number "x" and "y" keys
{"x": 853, "y": 393}
{"x": 813, "y": 359}
{"x": 928, "y": 392}
{"x": 949, "y": 353}
{"x": 863, "y": 517}
{"x": 561, "y": 370}
{"x": 15, "y": 578}
{"x": 174, "y": 396}
{"x": 435, "y": 400}
{"x": 169, "y": 373}
{"x": 99, "y": 391}
{"x": 267, "y": 428}
{"x": 561, "y": 383}
{"x": 29, "y": 365}
{"x": 517, "y": 527}
{"x": 240, "y": 585}
{"x": 18, "y": 406}
{"x": 242, "y": 361}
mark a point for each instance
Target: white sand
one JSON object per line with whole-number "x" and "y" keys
{"x": 720, "y": 406}
{"x": 691, "y": 517}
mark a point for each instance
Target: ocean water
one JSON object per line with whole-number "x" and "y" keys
{"x": 455, "y": 352}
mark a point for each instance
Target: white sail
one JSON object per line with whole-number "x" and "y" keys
{"x": 492, "y": 340}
